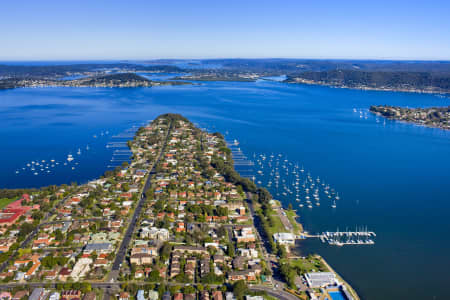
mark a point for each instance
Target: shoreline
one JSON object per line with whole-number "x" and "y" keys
{"x": 405, "y": 121}
{"x": 363, "y": 88}
{"x": 350, "y": 289}
{"x": 345, "y": 283}
{"x": 410, "y": 123}
{"x": 159, "y": 84}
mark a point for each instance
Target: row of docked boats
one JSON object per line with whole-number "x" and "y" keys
{"x": 361, "y": 236}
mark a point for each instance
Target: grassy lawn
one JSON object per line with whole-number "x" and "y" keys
{"x": 24, "y": 251}
{"x": 291, "y": 216}
{"x": 5, "y": 201}
{"x": 307, "y": 265}
{"x": 275, "y": 223}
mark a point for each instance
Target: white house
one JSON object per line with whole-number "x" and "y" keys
{"x": 284, "y": 238}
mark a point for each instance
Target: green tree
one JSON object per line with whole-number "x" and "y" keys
{"x": 161, "y": 289}
{"x": 165, "y": 251}
{"x": 174, "y": 289}
{"x": 189, "y": 289}
{"x": 154, "y": 276}
{"x": 282, "y": 252}
{"x": 240, "y": 289}
{"x": 86, "y": 287}
{"x": 25, "y": 229}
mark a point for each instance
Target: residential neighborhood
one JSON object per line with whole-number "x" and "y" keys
{"x": 177, "y": 222}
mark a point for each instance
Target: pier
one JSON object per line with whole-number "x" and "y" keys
{"x": 119, "y": 142}
{"x": 124, "y": 135}
{"x": 116, "y": 145}
{"x": 242, "y": 164}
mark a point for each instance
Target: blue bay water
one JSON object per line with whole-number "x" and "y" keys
{"x": 391, "y": 177}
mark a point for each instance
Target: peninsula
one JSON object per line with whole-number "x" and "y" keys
{"x": 438, "y": 117}
{"x": 122, "y": 80}
{"x": 177, "y": 222}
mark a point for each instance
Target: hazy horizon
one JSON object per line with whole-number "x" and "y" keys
{"x": 131, "y": 60}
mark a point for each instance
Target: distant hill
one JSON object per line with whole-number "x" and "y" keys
{"x": 50, "y": 71}
{"x": 108, "y": 80}
{"x": 417, "y": 76}
{"x": 114, "y": 79}
{"x": 395, "y": 80}
{"x": 289, "y": 66}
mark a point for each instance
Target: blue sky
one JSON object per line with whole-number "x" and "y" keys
{"x": 135, "y": 29}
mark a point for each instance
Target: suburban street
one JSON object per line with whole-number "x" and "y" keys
{"x": 121, "y": 253}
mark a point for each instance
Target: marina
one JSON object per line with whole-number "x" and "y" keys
{"x": 341, "y": 238}
{"x": 287, "y": 180}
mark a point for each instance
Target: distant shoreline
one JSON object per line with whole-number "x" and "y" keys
{"x": 433, "y": 117}
{"x": 366, "y": 88}
{"x": 122, "y": 80}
